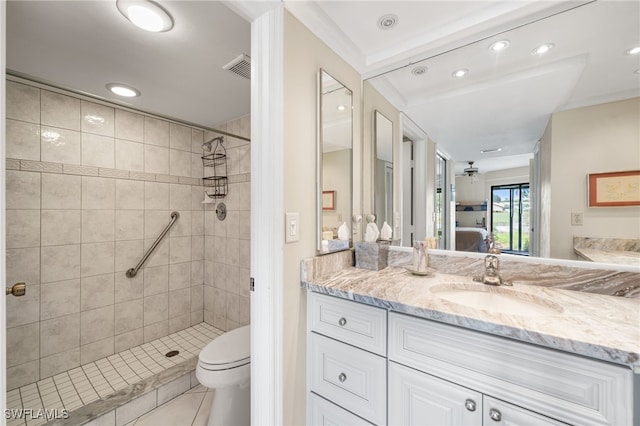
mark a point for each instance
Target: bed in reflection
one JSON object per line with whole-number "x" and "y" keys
{"x": 471, "y": 239}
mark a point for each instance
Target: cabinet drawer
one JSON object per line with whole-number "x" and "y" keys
{"x": 500, "y": 413}
{"x": 562, "y": 386}
{"x": 356, "y": 378}
{"x": 325, "y": 413}
{"x": 354, "y": 323}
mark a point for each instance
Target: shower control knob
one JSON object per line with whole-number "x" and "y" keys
{"x": 18, "y": 289}
{"x": 342, "y": 321}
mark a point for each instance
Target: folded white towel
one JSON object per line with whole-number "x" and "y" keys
{"x": 386, "y": 233}
{"x": 343, "y": 232}
{"x": 371, "y": 234}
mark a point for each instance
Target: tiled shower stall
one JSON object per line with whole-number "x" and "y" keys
{"x": 90, "y": 185}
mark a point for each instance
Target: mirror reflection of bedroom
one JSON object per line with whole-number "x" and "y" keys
{"x": 493, "y": 210}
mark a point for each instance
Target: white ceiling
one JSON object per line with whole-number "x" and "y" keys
{"x": 84, "y": 45}
{"x": 505, "y": 101}
{"x": 507, "y": 98}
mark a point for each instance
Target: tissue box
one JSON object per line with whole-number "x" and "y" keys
{"x": 371, "y": 256}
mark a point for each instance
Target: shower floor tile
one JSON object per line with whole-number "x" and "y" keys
{"x": 52, "y": 397}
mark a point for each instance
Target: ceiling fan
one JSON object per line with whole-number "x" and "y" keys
{"x": 472, "y": 172}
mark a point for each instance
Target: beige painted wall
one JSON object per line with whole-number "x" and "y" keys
{"x": 304, "y": 55}
{"x": 600, "y": 138}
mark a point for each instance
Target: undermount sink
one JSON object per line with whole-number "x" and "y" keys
{"x": 496, "y": 300}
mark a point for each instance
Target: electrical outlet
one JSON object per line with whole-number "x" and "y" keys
{"x": 292, "y": 227}
{"x": 576, "y": 219}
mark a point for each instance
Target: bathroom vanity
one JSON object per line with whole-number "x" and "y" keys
{"x": 388, "y": 347}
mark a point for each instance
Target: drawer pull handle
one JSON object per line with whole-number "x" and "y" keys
{"x": 495, "y": 415}
{"x": 470, "y": 405}
{"x": 342, "y": 321}
{"x": 342, "y": 377}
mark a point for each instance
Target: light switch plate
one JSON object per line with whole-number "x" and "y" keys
{"x": 576, "y": 219}
{"x": 291, "y": 227}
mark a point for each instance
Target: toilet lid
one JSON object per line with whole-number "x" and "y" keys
{"x": 231, "y": 347}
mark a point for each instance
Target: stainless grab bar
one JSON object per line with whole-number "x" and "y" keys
{"x": 133, "y": 271}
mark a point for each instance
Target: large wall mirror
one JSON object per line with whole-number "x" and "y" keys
{"x": 383, "y": 170}
{"x": 575, "y": 105}
{"x": 335, "y": 164}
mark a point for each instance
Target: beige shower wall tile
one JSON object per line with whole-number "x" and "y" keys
{"x": 179, "y": 163}
{"x": 23, "y": 265}
{"x": 156, "y": 132}
{"x": 60, "y": 263}
{"x": 60, "y": 227}
{"x": 128, "y": 316}
{"x": 98, "y": 193}
{"x": 97, "y": 119}
{"x": 129, "y": 126}
{"x": 128, "y": 340}
{"x": 22, "y": 374}
{"x": 58, "y": 363}
{"x": 22, "y": 228}
{"x": 128, "y": 253}
{"x": 129, "y": 155}
{"x": 59, "y": 334}
{"x": 60, "y": 110}
{"x": 61, "y": 191}
{"x": 156, "y": 196}
{"x": 156, "y": 159}
{"x": 97, "y": 292}
{"x": 98, "y": 151}
{"x": 59, "y": 298}
{"x": 23, "y": 344}
{"x": 179, "y": 137}
{"x": 23, "y": 190}
{"x": 96, "y": 324}
{"x": 97, "y": 258}
{"x": 129, "y": 225}
{"x": 97, "y": 350}
{"x": 156, "y": 309}
{"x": 60, "y": 145}
{"x": 23, "y": 140}
{"x": 129, "y": 194}
{"x": 156, "y": 280}
{"x": 98, "y": 226}
{"x": 22, "y": 102}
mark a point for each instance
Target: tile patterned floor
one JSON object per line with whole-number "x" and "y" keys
{"x": 78, "y": 387}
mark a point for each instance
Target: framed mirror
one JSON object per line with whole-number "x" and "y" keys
{"x": 383, "y": 170}
{"x": 334, "y": 164}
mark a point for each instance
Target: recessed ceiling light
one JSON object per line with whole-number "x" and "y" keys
{"x": 460, "y": 73}
{"x": 419, "y": 70}
{"x": 633, "y": 51}
{"x": 123, "y": 90}
{"x": 341, "y": 107}
{"x": 637, "y": 71}
{"x": 499, "y": 45}
{"x": 542, "y": 49}
{"x": 387, "y": 22}
{"x": 146, "y": 14}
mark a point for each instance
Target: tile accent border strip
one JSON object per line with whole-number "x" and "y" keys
{"x": 74, "y": 169}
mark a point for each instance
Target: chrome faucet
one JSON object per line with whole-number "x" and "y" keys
{"x": 491, "y": 272}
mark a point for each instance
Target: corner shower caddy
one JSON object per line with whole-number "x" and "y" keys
{"x": 216, "y": 163}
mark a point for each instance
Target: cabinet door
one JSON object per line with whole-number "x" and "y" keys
{"x": 416, "y": 398}
{"x": 500, "y": 413}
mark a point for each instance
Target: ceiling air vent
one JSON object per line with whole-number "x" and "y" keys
{"x": 241, "y": 66}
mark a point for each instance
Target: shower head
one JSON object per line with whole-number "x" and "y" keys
{"x": 207, "y": 146}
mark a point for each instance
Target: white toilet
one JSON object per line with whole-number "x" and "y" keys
{"x": 224, "y": 365}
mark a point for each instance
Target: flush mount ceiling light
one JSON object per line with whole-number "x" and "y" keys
{"x": 146, "y": 15}
{"x": 387, "y": 22}
{"x": 633, "y": 51}
{"x": 460, "y": 73}
{"x": 420, "y": 70}
{"x": 499, "y": 45}
{"x": 542, "y": 49}
{"x": 123, "y": 90}
{"x": 490, "y": 150}
{"x": 341, "y": 107}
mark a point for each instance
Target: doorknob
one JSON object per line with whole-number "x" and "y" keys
{"x": 18, "y": 289}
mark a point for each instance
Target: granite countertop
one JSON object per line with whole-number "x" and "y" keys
{"x": 620, "y": 257}
{"x": 593, "y": 325}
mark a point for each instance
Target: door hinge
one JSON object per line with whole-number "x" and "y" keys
{"x": 252, "y": 284}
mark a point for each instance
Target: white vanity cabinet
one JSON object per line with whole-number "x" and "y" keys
{"x": 348, "y": 365}
{"x": 376, "y": 367}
